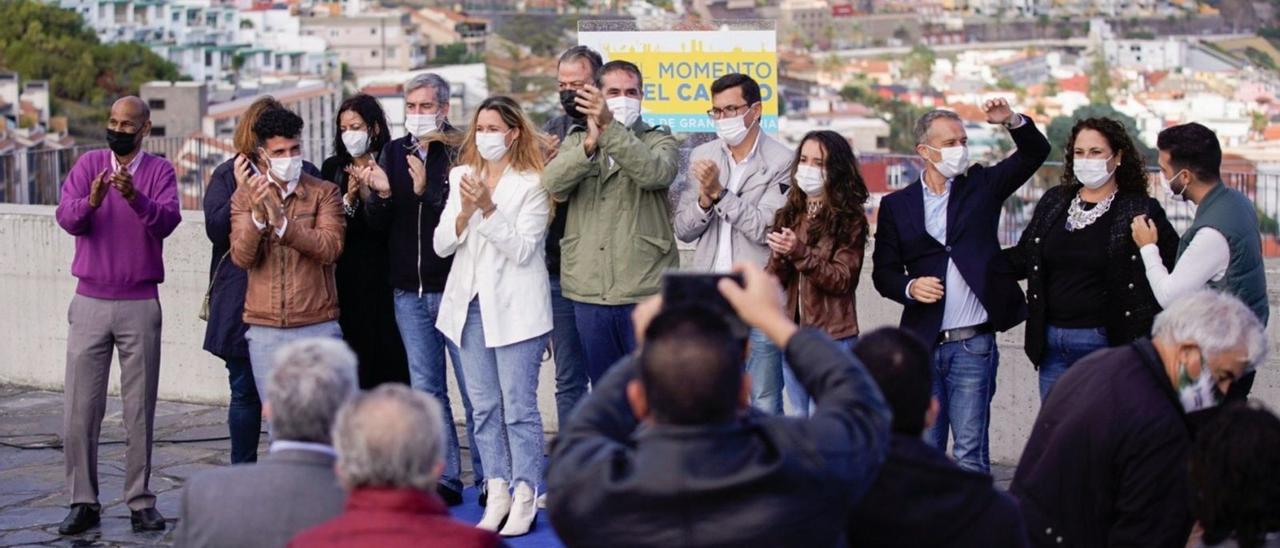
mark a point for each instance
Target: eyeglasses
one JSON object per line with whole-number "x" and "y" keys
{"x": 731, "y": 111}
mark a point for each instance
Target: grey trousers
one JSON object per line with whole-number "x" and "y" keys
{"x": 133, "y": 329}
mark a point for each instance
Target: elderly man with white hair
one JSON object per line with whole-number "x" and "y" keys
{"x": 390, "y": 444}
{"x": 294, "y": 487}
{"x": 1106, "y": 464}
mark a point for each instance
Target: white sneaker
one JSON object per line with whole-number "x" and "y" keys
{"x": 499, "y": 505}
{"x": 523, "y": 511}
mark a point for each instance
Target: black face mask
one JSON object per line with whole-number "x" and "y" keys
{"x": 568, "y": 100}
{"x": 122, "y": 143}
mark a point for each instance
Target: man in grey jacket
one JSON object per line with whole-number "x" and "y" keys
{"x": 294, "y": 487}
{"x": 736, "y": 184}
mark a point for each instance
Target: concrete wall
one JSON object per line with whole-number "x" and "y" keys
{"x": 36, "y": 286}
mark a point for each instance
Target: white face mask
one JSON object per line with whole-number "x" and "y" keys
{"x": 954, "y": 160}
{"x": 810, "y": 179}
{"x": 419, "y": 125}
{"x": 356, "y": 141}
{"x": 1167, "y": 185}
{"x": 492, "y": 145}
{"x": 1092, "y": 172}
{"x": 1199, "y": 394}
{"x": 733, "y": 130}
{"x": 286, "y": 170}
{"x": 625, "y": 109}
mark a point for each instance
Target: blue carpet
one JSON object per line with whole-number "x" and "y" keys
{"x": 542, "y": 536}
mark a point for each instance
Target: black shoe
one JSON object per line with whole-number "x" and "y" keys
{"x": 451, "y": 496}
{"x": 82, "y": 517}
{"x": 484, "y": 494}
{"x": 147, "y": 519}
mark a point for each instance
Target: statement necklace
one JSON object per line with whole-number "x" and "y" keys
{"x": 1078, "y": 217}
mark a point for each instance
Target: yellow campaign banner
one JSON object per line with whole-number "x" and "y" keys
{"x": 678, "y": 68}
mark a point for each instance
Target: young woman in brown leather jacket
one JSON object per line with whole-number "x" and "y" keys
{"x": 817, "y": 242}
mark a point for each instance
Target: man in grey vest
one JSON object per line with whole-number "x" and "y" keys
{"x": 1222, "y": 249}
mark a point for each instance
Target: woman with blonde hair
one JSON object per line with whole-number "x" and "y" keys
{"x": 224, "y": 334}
{"x": 496, "y": 306}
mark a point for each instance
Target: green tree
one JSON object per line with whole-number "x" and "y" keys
{"x": 542, "y": 36}
{"x": 1051, "y": 87}
{"x": 454, "y": 54}
{"x": 1099, "y": 80}
{"x": 918, "y": 64}
{"x": 1059, "y": 129}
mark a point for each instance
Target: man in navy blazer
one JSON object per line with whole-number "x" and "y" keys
{"x": 936, "y": 253}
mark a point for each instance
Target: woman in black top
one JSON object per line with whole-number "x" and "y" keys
{"x": 224, "y": 334}
{"x": 1086, "y": 287}
{"x": 368, "y": 318}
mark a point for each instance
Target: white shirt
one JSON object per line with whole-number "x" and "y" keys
{"x": 1205, "y": 260}
{"x": 292, "y": 186}
{"x": 960, "y": 306}
{"x": 724, "y": 246}
{"x": 287, "y": 445}
{"x": 500, "y": 260}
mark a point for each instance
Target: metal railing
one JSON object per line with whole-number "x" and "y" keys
{"x": 35, "y": 177}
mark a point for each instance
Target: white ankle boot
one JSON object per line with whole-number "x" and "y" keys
{"x": 523, "y": 511}
{"x": 499, "y": 505}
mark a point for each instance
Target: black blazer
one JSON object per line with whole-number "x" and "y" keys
{"x": 1106, "y": 464}
{"x": 755, "y": 481}
{"x": 1131, "y": 306}
{"x": 224, "y": 334}
{"x": 410, "y": 220}
{"x": 904, "y": 250}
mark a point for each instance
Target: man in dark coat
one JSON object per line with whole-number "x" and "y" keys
{"x": 1106, "y": 464}
{"x": 666, "y": 452}
{"x": 921, "y": 498}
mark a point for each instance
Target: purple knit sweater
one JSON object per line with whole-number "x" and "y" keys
{"x": 119, "y": 245}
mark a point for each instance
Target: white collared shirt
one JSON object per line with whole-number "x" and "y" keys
{"x": 724, "y": 245}
{"x": 960, "y": 306}
{"x": 133, "y": 164}
{"x": 287, "y": 445}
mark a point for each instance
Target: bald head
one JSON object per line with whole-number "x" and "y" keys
{"x": 129, "y": 115}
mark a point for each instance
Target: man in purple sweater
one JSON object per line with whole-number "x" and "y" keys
{"x": 120, "y": 204}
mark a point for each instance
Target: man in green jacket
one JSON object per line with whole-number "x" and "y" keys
{"x": 618, "y": 237}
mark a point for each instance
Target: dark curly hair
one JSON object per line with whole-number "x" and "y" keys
{"x": 277, "y": 122}
{"x": 370, "y": 111}
{"x": 1233, "y": 466}
{"x": 1131, "y": 174}
{"x": 842, "y": 217}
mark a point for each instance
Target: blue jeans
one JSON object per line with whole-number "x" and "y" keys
{"x": 764, "y": 364}
{"x": 607, "y": 335}
{"x": 244, "y": 415}
{"x": 425, "y": 347}
{"x": 264, "y": 341}
{"x": 502, "y": 383}
{"x": 566, "y": 349}
{"x": 796, "y": 400}
{"x": 964, "y": 381}
{"x": 1064, "y": 347}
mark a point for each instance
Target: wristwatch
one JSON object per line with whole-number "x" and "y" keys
{"x": 719, "y": 196}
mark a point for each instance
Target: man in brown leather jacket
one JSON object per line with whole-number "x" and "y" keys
{"x": 287, "y": 233}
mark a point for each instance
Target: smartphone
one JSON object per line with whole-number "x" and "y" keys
{"x": 701, "y": 289}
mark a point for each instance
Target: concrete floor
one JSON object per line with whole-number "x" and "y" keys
{"x": 188, "y": 438}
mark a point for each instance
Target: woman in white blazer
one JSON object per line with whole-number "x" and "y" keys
{"x": 497, "y": 301}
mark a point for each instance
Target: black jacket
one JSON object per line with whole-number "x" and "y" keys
{"x": 1131, "y": 307}
{"x": 904, "y": 250}
{"x": 224, "y": 334}
{"x": 558, "y": 126}
{"x": 1106, "y": 464}
{"x": 410, "y": 220}
{"x": 921, "y": 498}
{"x": 755, "y": 481}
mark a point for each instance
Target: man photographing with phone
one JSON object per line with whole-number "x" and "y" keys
{"x": 671, "y": 425}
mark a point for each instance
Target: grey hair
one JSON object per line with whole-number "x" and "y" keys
{"x": 1214, "y": 321}
{"x": 431, "y": 80}
{"x": 923, "y": 124}
{"x": 310, "y": 381}
{"x": 391, "y": 436}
